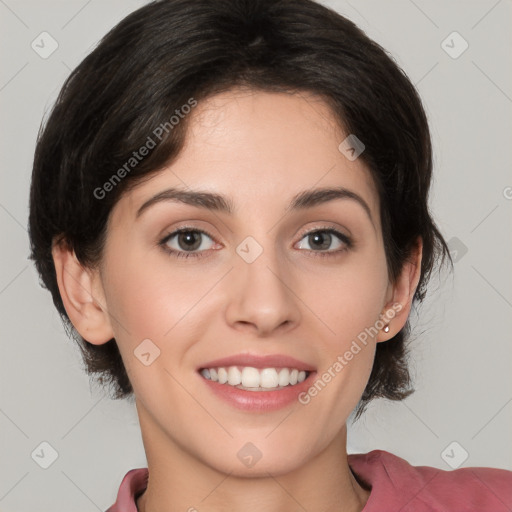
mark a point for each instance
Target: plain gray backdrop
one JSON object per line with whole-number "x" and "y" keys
{"x": 458, "y": 54}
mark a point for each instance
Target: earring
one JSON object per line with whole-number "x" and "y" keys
{"x": 386, "y": 328}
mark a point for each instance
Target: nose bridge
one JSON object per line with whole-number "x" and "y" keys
{"x": 262, "y": 295}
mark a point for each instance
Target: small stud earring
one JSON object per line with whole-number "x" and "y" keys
{"x": 386, "y": 328}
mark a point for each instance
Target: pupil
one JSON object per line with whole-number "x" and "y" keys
{"x": 319, "y": 238}
{"x": 190, "y": 239}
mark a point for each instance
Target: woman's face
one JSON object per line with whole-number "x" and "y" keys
{"x": 269, "y": 277}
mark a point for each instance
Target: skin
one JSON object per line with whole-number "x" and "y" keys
{"x": 259, "y": 149}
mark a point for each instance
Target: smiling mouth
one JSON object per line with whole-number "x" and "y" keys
{"x": 249, "y": 378}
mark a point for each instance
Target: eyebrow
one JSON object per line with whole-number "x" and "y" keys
{"x": 220, "y": 203}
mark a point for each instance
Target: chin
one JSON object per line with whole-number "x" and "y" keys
{"x": 246, "y": 459}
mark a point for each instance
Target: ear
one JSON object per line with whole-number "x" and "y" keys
{"x": 401, "y": 293}
{"x": 82, "y": 294}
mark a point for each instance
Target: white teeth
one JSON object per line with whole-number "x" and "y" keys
{"x": 249, "y": 377}
{"x": 234, "y": 376}
{"x": 223, "y": 375}
{"x": 269, "y": 378}
{"x": 284, "y": 377}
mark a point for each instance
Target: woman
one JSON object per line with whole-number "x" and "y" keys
{"x": 239, "y": 227}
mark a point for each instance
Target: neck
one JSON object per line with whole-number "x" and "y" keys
{"x": 179, "y": 481}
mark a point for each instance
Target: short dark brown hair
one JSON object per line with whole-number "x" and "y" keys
{"x": 167, "y": 52}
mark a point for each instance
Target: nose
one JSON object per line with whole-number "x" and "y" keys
{"x": 262, "y": 297}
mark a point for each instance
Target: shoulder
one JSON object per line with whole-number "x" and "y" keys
{"x": 397, "y": 485}
{"x": 133, "y": 484}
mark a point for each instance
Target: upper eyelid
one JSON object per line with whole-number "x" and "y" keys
{"x": 185, "y": 229}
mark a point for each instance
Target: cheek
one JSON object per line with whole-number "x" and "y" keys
{"x": 349, "y": 307}
{"x": 150, "y": 298}
{"x": 351, "y": 298}
{"x": 146, "y": 304}
{"x": 148, "y": 294}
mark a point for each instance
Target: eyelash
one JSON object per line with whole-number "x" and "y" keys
{"x": 187, "y": 254}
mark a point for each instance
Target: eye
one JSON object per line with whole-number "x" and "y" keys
{"x": 186, "y": 242}
{"x": 321, "y": 240}
{"x": 190, "y": 242}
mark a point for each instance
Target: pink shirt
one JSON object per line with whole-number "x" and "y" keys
{"x": 395, "y": 486}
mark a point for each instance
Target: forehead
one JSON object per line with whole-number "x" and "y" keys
{"x": 259, "y": 149}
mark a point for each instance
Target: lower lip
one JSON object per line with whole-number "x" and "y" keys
{"x": 259, "y": 400}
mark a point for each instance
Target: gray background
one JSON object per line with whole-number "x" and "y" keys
{"x": 462, "y": 354}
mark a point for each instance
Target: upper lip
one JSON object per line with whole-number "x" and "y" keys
{"x": 259, "y": 361}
